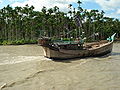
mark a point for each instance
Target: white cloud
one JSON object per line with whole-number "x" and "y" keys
{"x": 111, "y": 7}
{"x": 113, "y": 15}
{"x": 106, "y": 5}
{"x": 38, "y": 4}
{"x": 118, "y": 11}
{"x": 12, "y": 0}
{"x": 109, "y": 4}
{"x": 1, "y": 1}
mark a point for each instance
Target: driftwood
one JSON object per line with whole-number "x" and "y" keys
{"x": 2, "y": 86}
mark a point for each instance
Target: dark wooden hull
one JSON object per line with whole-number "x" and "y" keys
{"x": 68, "y": 54}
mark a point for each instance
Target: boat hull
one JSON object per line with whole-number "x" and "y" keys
{"x": 68, "y": 54}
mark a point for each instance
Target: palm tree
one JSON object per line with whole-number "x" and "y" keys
{"x": 70, "y": 12}
{"x": 79, "y": 6}
{"x": 55, "y": 9}
{"x": 50, "y": 11}
{"x": 25, "y": 23}
{"x": 44, "y": 10}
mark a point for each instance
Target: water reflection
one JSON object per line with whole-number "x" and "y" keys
{"x": 76, "y": 59}
{"x": 115, "y": 53}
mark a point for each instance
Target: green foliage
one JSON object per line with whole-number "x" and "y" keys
{"x": 18, "y": 42}
{"x": 66, "y": 39}
{"x": 1, "y": 41}
{"x": 23, "y": 25}
{"x": 30, "y": 41}
{"x": 4, "y": 43}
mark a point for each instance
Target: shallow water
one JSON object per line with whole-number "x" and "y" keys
{"x": 25, "y": 68}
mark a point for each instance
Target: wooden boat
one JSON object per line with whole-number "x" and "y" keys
{"x": 74, "y": 49}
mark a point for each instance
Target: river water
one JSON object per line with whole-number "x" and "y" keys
{"x": 25, "y": 68}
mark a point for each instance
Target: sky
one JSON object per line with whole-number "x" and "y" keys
{"x": 110, "y": 7}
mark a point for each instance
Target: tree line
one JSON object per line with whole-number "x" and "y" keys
{"x": 24, "y": 25}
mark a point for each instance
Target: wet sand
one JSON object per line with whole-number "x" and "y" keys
{"x": 25, "y": 68}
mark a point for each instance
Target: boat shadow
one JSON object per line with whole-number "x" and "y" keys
{"x": 68, "y": 60}
{"x": 76, "y": 59}
{"x": 71, "y": 60}
{"x": 115, "y": 53}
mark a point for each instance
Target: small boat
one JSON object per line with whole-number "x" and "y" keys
{"x": 75, "y": 49}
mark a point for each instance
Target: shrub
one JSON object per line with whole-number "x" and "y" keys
{"x": 4, "y": 42}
